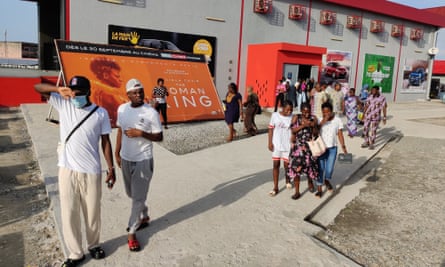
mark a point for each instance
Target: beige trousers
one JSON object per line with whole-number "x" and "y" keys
{"x": 79, "y": 192}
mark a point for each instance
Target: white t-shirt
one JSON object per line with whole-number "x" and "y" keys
{"x": 281, "y": 131}
{"x": 81, "y": 153}
{"x": 144, "y": 118}
{"x": 329, "y": 131}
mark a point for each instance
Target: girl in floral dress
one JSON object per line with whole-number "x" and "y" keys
{"x": 304, "y": 128}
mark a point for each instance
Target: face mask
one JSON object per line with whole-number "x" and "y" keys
{"x": 79, "y": 101}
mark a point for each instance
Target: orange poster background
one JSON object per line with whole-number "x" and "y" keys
{"x": 192, "y": 94}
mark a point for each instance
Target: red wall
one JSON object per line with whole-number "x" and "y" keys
{"x": 439, "y": 67}
{"x": 265, "y": 65}
{"x": 19, "y": 90}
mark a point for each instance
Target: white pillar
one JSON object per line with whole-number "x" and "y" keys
{"x": 429, "y": 75}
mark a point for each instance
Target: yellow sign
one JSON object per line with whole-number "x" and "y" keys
{"x": 132, "y": 37}
{"x": 202, "y": 47}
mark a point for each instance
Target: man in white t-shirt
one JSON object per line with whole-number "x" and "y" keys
{"x": 139, "y": 125}
{"x": 79, "y": 164}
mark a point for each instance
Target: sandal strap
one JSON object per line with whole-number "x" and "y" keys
{"x": 97, "y": 253}
{"x": 134, "y": 245}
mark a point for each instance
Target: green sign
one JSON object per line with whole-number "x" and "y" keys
{"x": 378, "y": 71}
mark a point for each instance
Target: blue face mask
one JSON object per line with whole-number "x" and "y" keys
{"x": 79, "y": 101}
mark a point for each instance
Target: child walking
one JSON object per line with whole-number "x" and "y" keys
{"x": 279, "y": 143}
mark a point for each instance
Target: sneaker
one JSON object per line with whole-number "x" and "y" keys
{"x": 364, "y": 145}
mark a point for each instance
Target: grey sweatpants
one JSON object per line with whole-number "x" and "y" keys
{"x": 137, "y": 177}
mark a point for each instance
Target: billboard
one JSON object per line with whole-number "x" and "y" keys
{"x": 378, "y": 71}
{"x": 192, "y": 93}
{"x": 415, "y": 72}
{"x": 165, "y": 40}
{"x": 336, "y": 66}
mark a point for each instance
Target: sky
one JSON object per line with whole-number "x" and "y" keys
{"x": 18, "y": 20}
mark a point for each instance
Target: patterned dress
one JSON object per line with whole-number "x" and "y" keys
{"x": 336, "y": 99}
{"x": 374, "y": 107}
{"x": 318, "y": 99}
{"x": 300, "y": 155}
{"x": 351, "y": 114}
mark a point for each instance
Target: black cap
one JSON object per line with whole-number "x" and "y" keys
{"x": 80, "y": 83}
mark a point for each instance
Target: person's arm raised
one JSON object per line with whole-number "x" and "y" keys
{"x": 46, "y": 89}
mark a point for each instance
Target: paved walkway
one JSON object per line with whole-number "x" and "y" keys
{"x": 211, "y": 207}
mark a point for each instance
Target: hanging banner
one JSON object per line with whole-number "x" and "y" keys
{"x": 192, "y": 93}
{"x": 378, "y": 71}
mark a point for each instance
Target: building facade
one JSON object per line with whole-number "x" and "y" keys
{"x": 257, "y": 42}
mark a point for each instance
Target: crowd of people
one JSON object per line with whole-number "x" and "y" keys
{"x": 84, "y": 126}
{"x": 320, "y": 111}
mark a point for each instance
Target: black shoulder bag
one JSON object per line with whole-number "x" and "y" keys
{"x": 80, "y": 123}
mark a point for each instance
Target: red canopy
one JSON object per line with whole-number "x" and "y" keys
{"x": 439, "y": 67}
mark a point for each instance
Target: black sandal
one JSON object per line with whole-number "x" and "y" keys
{"x": 97, "y": 253}
{"x": 319, "y": 194}
{"x": 72, "y": 263}
{"x": 296, "y": 196}
{"x": 328, "y": 185}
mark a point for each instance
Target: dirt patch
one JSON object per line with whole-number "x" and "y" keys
{"x": 27, "y": 230}
{"x": 397, "y": 220}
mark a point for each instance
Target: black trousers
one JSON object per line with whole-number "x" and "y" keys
{"x": 162, "y": 108}
{"x": 279, "y": 98}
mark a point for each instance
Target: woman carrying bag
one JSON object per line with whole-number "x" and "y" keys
{"x": 331, "y": 129}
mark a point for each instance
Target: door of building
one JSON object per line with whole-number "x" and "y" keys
{"x": 294, "y": 72}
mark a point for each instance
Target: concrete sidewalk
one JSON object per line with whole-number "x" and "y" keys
{"x": 211, "y": 207}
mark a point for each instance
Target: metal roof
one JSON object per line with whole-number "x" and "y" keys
{"x": 429, "y": 16}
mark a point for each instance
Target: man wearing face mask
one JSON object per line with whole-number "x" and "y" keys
{"x": 79, "y": 164}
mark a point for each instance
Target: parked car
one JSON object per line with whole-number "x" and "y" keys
{"x": 159, "y": 44}
{"x": 335, "y": 70}
{"x": 417, "y": 77}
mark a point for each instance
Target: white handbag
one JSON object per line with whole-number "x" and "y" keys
{"x": 317, "y": 147}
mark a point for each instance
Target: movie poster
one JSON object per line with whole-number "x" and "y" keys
{"x": 415, "y": 74}
{"x": 378, "y": 71}
{"x": 192, "y": 94}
